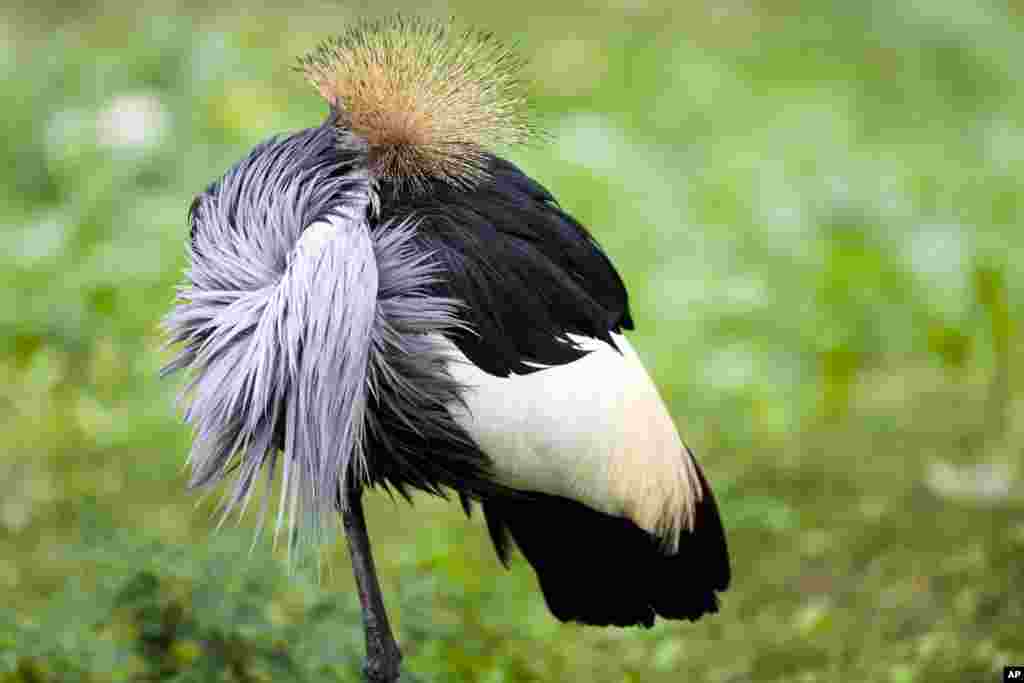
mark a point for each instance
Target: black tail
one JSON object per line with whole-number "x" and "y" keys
{"x": 602, "y": 570}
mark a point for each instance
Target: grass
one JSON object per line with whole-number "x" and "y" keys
{"x": 818, "y": 217}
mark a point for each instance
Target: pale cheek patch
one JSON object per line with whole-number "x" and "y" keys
{"x": 594, "y": 430}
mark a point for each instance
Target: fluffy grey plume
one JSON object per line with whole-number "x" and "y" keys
{"x": 415, "y": 441}
{"x": 311, "y": 338}
{"x": 276, "y": 323}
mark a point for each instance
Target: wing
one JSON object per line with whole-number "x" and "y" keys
{"x": 561, "y": 405}
{"x": 529, "y": 274}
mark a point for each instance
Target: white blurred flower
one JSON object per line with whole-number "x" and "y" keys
{"x": 1004, "y": 143}
{"x": 987, "y": 481}
{"x": 938, "y": 254}
{"x": 937, "y": 251}
{"x": 38, "y": 241}
{"x": 133, "y": 121}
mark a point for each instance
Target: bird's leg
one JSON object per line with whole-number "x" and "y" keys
{"x": 382, "y": 654}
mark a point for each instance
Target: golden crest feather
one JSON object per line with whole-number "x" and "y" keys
{"x": 429, "y": 99}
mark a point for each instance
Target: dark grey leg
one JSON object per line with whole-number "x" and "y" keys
{"x": 383, "y": 657}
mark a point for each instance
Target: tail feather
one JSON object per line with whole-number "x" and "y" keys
{"x": 602, "y": 570}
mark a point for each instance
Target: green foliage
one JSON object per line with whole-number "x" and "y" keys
{"x": 817, "y": 211}
{"x": 157, "y": 613}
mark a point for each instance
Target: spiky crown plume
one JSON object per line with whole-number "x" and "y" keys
{"x": 429, "y": 99}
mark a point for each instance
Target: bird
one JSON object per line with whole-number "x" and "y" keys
{"x": 383, "y": 301}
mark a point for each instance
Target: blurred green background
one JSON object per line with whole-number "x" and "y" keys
{"x": 816, "y": 207}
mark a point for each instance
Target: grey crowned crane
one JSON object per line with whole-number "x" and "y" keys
{"x": 382, "y": 301}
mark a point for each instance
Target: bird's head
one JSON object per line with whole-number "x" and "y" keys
{"x": 306, "y": 283}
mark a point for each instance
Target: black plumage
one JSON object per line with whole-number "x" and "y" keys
{"x": 606, "y": 571}
{"x": 383, "y": 301}
{"x": 528, "y": 272}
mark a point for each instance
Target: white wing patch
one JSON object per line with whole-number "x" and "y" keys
{"x": 594, "y": 430}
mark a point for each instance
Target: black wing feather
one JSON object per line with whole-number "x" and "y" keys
{"x": 528, "y": 273}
